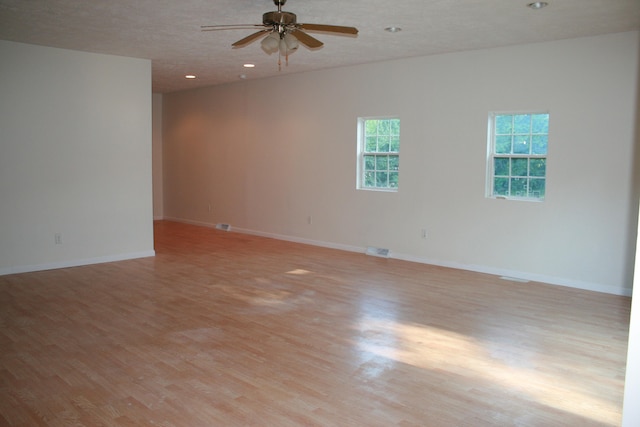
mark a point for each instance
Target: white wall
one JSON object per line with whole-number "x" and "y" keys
{"x": 158, "y": 197}
{"x": 267, "y": 154}
{"x": 631, "y": 410}
{"x": 75, "y": 157}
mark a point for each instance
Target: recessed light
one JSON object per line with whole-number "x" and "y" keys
{"x": 249, "y": 65}
{"x": 189, "y": 76}
{"x": 538, "y": 5}
{"x": 393, "y": 29}
{"x": 242, "y": 76}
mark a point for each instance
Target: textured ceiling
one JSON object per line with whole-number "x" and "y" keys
{"x": 168, "y": 31}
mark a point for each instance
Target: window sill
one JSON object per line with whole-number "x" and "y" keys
{"x": 379, "y": 190}
{"x": 517, "y": 199}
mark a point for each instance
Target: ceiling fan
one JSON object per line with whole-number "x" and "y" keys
{"x": 281, "y": 32}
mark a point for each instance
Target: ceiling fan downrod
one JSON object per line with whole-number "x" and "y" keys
{"x": 279, "y": 3}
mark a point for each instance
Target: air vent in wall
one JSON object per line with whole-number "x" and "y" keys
{"x": 223, "y": 227}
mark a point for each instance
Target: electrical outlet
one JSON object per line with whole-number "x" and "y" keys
{"x": 309, "y": 220}
{"x": 423, "y": 233}
{"x": 57, "y": 238}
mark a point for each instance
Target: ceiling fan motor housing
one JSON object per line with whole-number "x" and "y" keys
{"x": 279, "y": 18}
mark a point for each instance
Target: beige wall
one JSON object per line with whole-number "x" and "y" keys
{"x": 158, "y": 198}
{"x": 267, "y": 154}
{"x": 75, "y": 158}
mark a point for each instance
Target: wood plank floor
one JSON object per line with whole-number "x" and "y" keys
{"x": 224, "y": 329}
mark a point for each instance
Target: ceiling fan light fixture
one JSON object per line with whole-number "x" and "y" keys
{"x": 536, "y": 5}
{"x": 190, "y": 76}
{"x": 291, "y": 41}
{"x": 288, "y": 44}
{"x": 271, "y": 43}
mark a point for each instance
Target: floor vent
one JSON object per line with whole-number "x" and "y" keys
{"x": 223, "y": 227}
{"x": 379, "y": 252}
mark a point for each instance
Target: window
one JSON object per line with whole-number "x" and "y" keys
{"x": 517, "y": 161}
{"x": 378, "y": 153}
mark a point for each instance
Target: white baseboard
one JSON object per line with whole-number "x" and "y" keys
{"x": 284, "y": 237}
{"x": 190, "y": 222}
{"x": 75, "y": 263}
{"x": 559, "y": 281}
{"x": 301, "y": 240}
{"x": 521, "y": 276}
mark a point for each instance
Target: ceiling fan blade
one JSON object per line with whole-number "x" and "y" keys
{"x": 307, "y": 40}
{"x": 229, "y": 27}
{"x": 329, "y": 28}
{"x": 245, "y": 41}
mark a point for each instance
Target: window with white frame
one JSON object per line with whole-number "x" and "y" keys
{"x": 517, "y": 160}
{"x": 378, "y": 153}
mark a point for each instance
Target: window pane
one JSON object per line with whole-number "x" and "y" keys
{"x": 538, "y": 167}
{"x": 503, "y": 144}
{"x": 382, "y": 179}
{"x": 540, "y": 123}
{"x": 395, "y": 127}
{"x": 395, "y": 144}
{"x": 537, "y": 187}
{"x": 519, "y": 167}
{"x": 383, "y": 144}
{"x": 504, "y": 125}
{"x": 522, "y": 123}
{"x": 369, "y": 179}
{"x": 371, "y": 144}
{"x": 521, "y": 144}
{"x": 369, "y": 163}
{"x": 382, "y": 163}
{"x": 394, "y": 163}
{"x": 501, "y": 166}
{"x": 393, "y": 179}
{"x": 371, "y": 127}
{"x": 384, "y": 127}
{"x": 501, "y": 186}
{"x": 519, "y": 187}
{"x": 539, "y": 144}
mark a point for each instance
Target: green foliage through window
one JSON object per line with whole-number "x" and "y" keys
{"x": 380, "y": 158}
{"x": 519, "y": 155}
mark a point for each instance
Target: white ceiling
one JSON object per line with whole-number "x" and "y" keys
{"x": 168, "y": 31}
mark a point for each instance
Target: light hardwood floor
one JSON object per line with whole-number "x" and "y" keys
{"x": 224, "y": 329}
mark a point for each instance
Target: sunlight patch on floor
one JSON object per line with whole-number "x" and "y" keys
{"x": 438, "y": 349}
{"x": 299, "y": 272}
